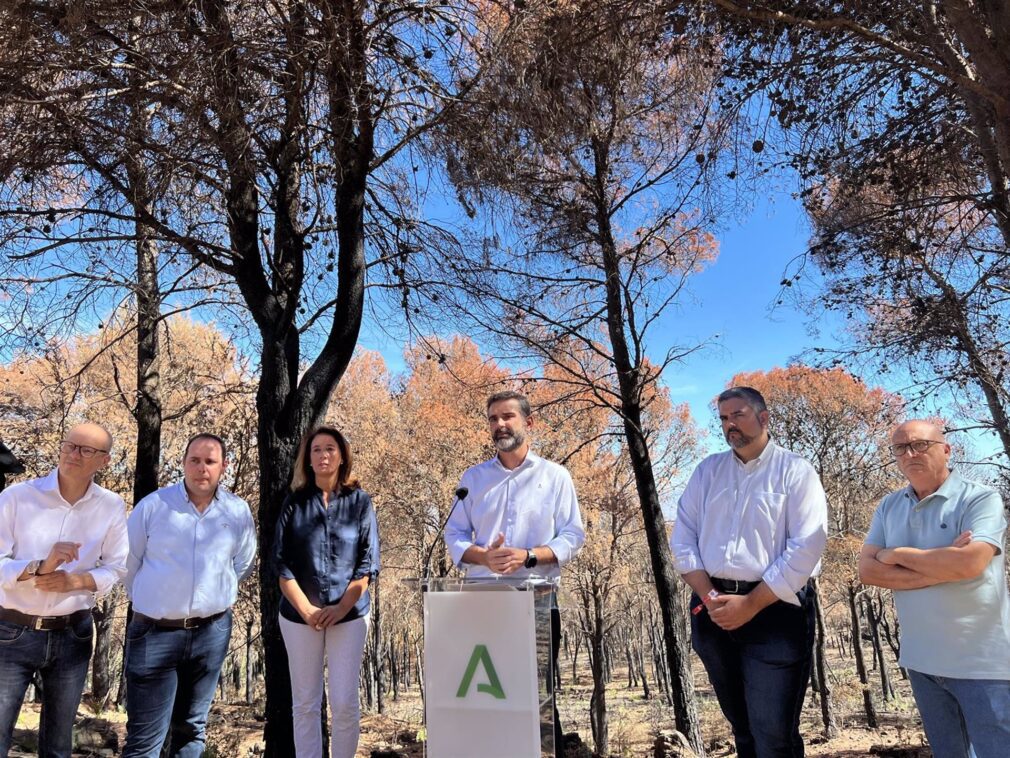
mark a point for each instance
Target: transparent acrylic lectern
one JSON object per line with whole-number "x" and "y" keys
{"x": 488, "y": 666}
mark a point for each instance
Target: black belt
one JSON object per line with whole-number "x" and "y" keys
{"x": 42, "y": 623}
{"x": 192, "y": 622}
{"x": 733, "y": 586}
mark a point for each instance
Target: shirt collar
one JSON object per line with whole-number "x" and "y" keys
{"x": 750, "y": 465}
{"x": 51, "y": 483}
{"x": 185, "y": 494}
{"x": 531, "y": 459}
{"x": 944, "y": 491}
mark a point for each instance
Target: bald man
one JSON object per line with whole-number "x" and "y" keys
{"x": 938, "y": 543}
{"x": 62, "y": 542}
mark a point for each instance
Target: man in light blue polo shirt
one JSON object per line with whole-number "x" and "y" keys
{"x": 938, "y": 543}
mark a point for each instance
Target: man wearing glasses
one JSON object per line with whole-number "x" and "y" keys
{"x": 62, "y": 541}
{"x": 938, "y": 543}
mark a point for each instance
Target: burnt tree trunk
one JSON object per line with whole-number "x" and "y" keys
{"x": 873, "y": 619}
{"x": 248, "y": 661}
{"x": 820, "y": 667}
{"x": 631, "y": 379}
{"x": 289, "y": 400}
{"x": 377, "y": 657}
{"x": 598, "y": 699}
{"x": 101, "y": 664}
{"x": 857, "y": 651}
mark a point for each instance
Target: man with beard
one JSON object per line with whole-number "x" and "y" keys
{"x": 950, "y": 593}
{"x": 751, "y": 527}
{"x": 521, "y": 516}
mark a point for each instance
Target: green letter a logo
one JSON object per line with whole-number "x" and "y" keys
{"x": 493, "y": 686}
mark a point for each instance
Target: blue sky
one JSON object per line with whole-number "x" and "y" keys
{"x": 736, "y": 299}
{"x": 732, "y": 298}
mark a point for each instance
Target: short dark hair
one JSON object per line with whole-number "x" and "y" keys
{"x": 498, "y": 397}
{"x": 207, "y": 436}
{"x": 749, "y": 395}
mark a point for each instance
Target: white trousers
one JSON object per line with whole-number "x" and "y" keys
{"x": 341, "y": 647}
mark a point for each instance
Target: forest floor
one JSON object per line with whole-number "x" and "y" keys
{"x": 235, "y": 730}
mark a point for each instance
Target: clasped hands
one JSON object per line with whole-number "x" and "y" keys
{"x": 892, "y": 558}
{"x": 321, "y": 618}
{"x": 50, "y": 578}
{"x": 730, "y": 612}
{"x": 502, "y": 559}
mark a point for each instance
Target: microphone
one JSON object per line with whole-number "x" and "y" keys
{"x": 460, "y": 493}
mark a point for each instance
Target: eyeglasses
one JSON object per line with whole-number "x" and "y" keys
{"x": 86, "y": 451}
{"x": 919, "y": 446}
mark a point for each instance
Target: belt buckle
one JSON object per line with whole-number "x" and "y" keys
{"x": 190, "y": 622}
{"x": 39, "y": 623}
{"x": 736, "y": 586}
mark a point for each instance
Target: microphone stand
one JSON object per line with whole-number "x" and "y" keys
{"x": 460, "y": 493}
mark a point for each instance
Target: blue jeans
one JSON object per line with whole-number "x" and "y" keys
{"x": 759, "y": 673}
{"x": 961, "y": 714}
{"x": 171, "y": 676}
{"x": 61, "y": 660}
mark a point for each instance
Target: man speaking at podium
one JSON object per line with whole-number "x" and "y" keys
{"x": 520, "y": 516}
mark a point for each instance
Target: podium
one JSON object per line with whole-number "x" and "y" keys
{"x": 488, "y": 668}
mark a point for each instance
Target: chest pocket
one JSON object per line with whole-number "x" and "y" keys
{"x": 219, "y": 537}
{"x": 770, "y": 505}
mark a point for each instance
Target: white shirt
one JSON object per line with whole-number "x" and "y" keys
{"x": 184, "y": 563}
{"x": 533, "y": 504}
{"x": 33, "y": 517}
{"x": 761, "y": 520}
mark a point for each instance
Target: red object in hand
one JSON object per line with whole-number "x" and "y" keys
{"x": 712, "y": 595}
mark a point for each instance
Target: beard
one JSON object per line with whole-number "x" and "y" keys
{"x": 506, "y": 443}
{"x": 736, "y": 438}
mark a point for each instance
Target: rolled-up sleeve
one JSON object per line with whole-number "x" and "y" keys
{"x": 10, "y": 567}
{"x": 278, "y": 558}
{"x": 458, "y": 529}
{"x": 570, "y": 535}
{"x": 684, "y": 540}
{"x": 368, "y": 542}
{"x": 112, "y": 564}
{"x": 807, "y": 534}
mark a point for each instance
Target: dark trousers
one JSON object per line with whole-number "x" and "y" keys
{"x": 759, "y": 673}
{"x": 171, "y": 676}
{"x": 61, "y": 660}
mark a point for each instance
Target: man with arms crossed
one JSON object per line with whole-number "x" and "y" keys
{"x": 521, "y": 515}
{"x": 751, "y": 527}
{"x": 190, "y": 545}
{"x": 938, "y": 543}
{"x": 62, "y": 541}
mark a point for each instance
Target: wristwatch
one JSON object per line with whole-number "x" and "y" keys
{"x": 33, "y": 567}
{"x": 531, "y": 559}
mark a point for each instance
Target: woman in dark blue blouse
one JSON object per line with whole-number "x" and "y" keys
{"x": 326, "y": 551}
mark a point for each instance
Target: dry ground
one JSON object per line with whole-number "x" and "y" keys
{"x": 235, "y": 730}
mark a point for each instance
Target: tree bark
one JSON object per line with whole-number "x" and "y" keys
{"x": 886, "y": 688}
{"x": 857, "y": 651}
{"x": 820, "y": 666}
{"x": 598, "y": 699}
{"x": 629, "y": 377}
{"x": 101, "y": 664}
